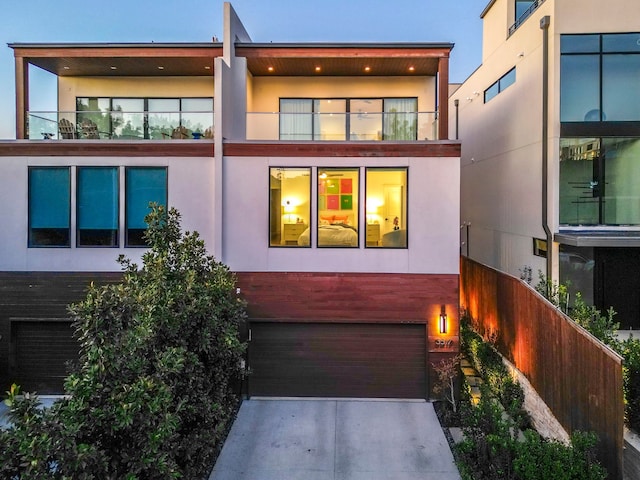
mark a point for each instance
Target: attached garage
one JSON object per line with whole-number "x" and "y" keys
{"x": 374, "y": 360}
{"x": 40, "y": 353}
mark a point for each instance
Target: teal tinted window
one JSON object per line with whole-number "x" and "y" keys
{"x": 97, "y": 206}
{"x": 580, "y": 88}
{"x": 143, "y": 185}
{"x": 579, "y": 43}
{"x": 49, "y": 206}
{"x": 503, "y": 83}
{"x": 621, "y": 42}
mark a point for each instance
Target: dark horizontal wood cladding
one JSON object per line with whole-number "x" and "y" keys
{"x": 42, "y": 352}
{"x": 337, "y": 360}
{"x": 342, "y": 149}
{"x": 106, "y": 148}
{"x": 340, "y": 297}
{"x": 37, "y": 297}
{"x": 575, "y": 375}
{"x": 340, "y": 51}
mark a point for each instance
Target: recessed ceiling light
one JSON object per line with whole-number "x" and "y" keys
{"x": 113, "y": 67}
{"x": 270, "y": 69}
{"x": 318, "y": 68}
{"x": 412, "y": 68}
{"x": 207, "y": 67}
{"x": 367, "y": 69}
{"x": 160, "y": 67}
{"x": 66, "y": 67}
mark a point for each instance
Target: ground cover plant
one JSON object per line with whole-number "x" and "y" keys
{"x": 155, "y": 387}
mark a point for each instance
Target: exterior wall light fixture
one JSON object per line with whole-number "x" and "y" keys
{"x": 442, "y": 320}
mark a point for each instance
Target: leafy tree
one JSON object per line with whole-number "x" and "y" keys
{"x": 159, "y": 359}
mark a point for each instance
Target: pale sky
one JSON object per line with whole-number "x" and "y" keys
{"x": 44, "y": 21}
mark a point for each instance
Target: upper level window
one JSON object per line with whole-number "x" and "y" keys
{"x": 338, "y": 201}
{"x": 149, "y": 118}
{"x": 500, "y": 85}
{"x": 143, "y": 185}
{"x": 49, "y": 206}
{"x": 97, "y": 206}
{"x": 599, "y": 78}
{"x": 349, "y": 119}
{"x": 523, "y": 10}
{"x": 289, "y": 206}
{"x": 386, "y": 207}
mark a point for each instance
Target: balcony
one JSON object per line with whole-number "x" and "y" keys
{"x": 370, "y": 126}
{"x": 119, "y": 125}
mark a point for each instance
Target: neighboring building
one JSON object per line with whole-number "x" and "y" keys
{"x": 320, "y": 173}
{"x": 564, "y": 184}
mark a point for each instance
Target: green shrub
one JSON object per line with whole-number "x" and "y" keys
{"x": 159, "y": 356}
{"x": 493, "y": 450}
{"x": 488, "y": 362}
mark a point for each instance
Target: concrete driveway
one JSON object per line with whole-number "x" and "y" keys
{"x": 335, "y": 440}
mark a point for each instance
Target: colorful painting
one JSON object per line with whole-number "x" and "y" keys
{"x": 333, "y": 186}
{"x": 333, "y": 202}
{"x": 346, "y": 185}
{"x": 346, "y": 202}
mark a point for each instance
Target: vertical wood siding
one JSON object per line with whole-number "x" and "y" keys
{"x": 578, "y": 377}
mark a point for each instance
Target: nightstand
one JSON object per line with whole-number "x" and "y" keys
{"x": 373, "y": 234}
{"x": 292, "y": 232}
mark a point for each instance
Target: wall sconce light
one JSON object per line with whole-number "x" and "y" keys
{"x": 442, "y": 320}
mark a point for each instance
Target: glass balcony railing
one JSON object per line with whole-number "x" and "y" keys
{"x": 371, "y": 126}
{"x": 119, "y": 125}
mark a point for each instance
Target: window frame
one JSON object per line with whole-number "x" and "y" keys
{"x": 127, "y": 169}
{"x": 269, "y": 211}
{"x": 498, "y": 85}
{"x": 405, "y": 200}
{"x": 30, "y": 241}
{"x": 117, "y": 208}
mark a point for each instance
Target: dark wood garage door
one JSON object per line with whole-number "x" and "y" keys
{"x": 337, "y": 360}
{"x": 41, "y": 350}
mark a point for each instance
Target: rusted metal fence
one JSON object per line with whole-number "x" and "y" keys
{"x": 578, "y": 377}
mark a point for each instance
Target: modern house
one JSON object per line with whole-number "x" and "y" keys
{"x": 322, "y": 174}
{"x": 550, "y": 132}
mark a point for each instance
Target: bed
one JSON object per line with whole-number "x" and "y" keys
{"x": 336, "y": 235}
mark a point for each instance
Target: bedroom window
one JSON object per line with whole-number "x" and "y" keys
{"x": 143, "y": 185}
{"x": 289, "y": 206}
{"x": 97, "y": 206}
{"x": 338, "y": 207}
{"x": 49, "y": 206}
{"x": 386, "y": 207}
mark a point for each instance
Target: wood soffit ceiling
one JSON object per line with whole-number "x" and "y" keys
{"x": 130, "y": 60}
{"x": 262, "y": 59}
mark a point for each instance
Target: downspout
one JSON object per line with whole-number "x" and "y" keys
{"x": 456, "y": 102}
{"x": 545, "y": 22}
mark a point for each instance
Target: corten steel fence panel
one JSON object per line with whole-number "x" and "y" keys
{"x": 577, "y": 376}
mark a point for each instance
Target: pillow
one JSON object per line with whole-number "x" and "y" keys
{"x": 341, "y": 219}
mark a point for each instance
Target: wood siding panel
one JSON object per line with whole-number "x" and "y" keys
{"x": 342, "y": 149}
{"x": 42, "y": 351}
{"x": 106, "y": 148}
{"x": 37, "y": 297}
{"x": 578, "y": 377}
{"x": 337, "y": 360}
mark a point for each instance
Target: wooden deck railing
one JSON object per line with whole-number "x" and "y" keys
{"x": 578, "y": 377}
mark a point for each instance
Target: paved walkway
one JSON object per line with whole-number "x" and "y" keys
{"x": 335, "y": 440}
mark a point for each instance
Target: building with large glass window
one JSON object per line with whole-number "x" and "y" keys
{"x": 322, "y": 174}
{"x": 551, "y": 162}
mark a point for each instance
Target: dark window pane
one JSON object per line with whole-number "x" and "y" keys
{"x": 522, "y": 7}
{"x": 579, "y": 88}
{"x": 143, "y": 185}
{"x": 579, "y": 188}
{"x": 621, "y": 42}
{"x": 97, "y": 208}
{"x": 620, "y": 87}
{"x": 621, "y": 200}
{"x": 579, "y": 43}
{"x": 508, "y": 79}
{"x": 49, "y": 206}
{"x": 491, "y": 92}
